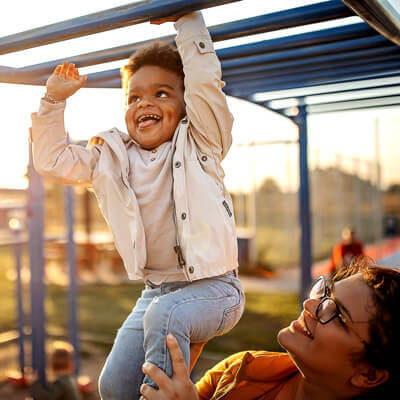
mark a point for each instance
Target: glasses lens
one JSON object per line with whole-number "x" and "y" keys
{"x": 326, "y": 310}
{"x": 318, "y": 290}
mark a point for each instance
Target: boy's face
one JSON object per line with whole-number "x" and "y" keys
{"x": 155, "y": 105}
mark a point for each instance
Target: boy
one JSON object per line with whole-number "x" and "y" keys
{"x": 62, "y": 365}
{"x": 161, "y": 191}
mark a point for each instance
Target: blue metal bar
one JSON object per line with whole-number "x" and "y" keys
{"x": 314, "y": 38}
{"x": 244, "y": 89}
{"x": 73, "y": 289}
{"x": 383, "y": 101}
{"x": 364, "y": 55}
{"x": 304, "y": 205}
{"x": 130, "y": 14}
{"x": 20, "y": 308}
{"x": 307, "y": 52}
{"x": 318, "y": 68}
{"x": 37, "y": 288}
{"x": 235, "y": 29}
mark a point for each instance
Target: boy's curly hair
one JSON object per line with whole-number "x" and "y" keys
{"x": 158, "y": 54}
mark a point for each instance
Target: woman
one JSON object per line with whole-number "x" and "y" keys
{"x": 344, "y": 345}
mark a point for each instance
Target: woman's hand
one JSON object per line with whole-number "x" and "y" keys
{"x": 179, "y": 387}
{"x": 64, "y": 82}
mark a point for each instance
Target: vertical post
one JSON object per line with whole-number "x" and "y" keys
{"x": 73, "y": 291}
{"x": 36, "y": 229}
{"x": 304, "y": 205}
{"x": 379, "y": 201}
{"x": 20, "y": 310}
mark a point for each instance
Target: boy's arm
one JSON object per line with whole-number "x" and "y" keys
{"x": 51, "y": 154}
{"x": 206, "y": 104}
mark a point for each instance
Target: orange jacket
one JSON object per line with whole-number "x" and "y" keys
{"x": 246, "y": 376}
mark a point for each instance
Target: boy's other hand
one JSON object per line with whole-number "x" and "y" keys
{"x": 64, "y": 81}
{"x": 160, "y": 21}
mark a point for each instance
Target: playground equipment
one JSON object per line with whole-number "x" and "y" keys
{"x": 349, "y": 61}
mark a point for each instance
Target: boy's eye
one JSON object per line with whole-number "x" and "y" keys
{"x": 133, "y": 99}
{"x": 161, "y": 93}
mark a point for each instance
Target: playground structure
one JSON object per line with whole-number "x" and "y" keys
{"x": 290, "y": 75}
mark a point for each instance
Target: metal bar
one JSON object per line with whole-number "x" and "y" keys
{"x": 308, "y": 80}
{"x": 245, "y": 27}
{"x": 73, "y": 325}
{"x": 385, "y": 101}
{"x": 20, "y": 308}
{"x": 364, "y": 54}
{"x": 318, "y": 68}
{"x": 333, "y": 89}
{"x": 304, "y": 205}
{"x": 36, "y": 229}
{"x": 307, "y": 52}
{"x": 130, "y": 14}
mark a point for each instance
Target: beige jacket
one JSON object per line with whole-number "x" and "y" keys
{"x": 206, "y": 240}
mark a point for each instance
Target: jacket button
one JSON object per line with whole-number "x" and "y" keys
{"x": 178, "y": 164}
{"x": 191, "y": 269}
{"x": 183, "y": 215}
{"x": 202, "y": 45}
{"x": 204, "y": 158}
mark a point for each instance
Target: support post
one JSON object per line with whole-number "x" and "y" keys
{"x": 304, "y": 205}
{"x": 73, "y": 290}
{"x": 36, "y": 257}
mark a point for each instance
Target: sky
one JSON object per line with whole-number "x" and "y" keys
{"x": 89, "y": 111}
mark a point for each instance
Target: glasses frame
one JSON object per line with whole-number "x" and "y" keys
{"x": 338, "y": 314}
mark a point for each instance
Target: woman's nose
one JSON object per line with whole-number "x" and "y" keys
{"x": 310, "y": 307}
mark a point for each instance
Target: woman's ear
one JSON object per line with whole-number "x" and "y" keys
{"x": 369, "y": 377}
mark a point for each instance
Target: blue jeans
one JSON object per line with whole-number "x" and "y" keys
{"x": 192, "y": 311}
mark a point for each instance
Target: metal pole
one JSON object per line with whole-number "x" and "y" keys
{"x": 36, "y": 229}
{"x": 20, "y": 309}
{"x": 304, "y": 206}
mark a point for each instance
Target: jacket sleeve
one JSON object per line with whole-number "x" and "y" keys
{"x": 225, "y": 370}
{"x": 206, "y": 106}
{"x": 52, "y": 156}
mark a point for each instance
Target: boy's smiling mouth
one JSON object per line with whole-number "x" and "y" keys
{"x": 147, "y": 120}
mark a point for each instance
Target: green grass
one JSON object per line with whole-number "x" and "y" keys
{"x": 102, "y": 309}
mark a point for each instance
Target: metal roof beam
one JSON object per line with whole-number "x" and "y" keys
{"x": 130, "y": 14}
{"x": 250, "y": 26}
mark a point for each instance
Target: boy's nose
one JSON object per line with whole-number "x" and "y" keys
{"x": 144, "y": 102}
{"x": 310, "y": 306}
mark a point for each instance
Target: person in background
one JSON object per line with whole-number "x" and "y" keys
{"x": 64, "y": 387}
{"x": 346, "y": 251}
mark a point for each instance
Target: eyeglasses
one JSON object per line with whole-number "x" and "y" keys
{"x": 328, "y": 308}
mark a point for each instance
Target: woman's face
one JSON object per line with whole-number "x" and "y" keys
{"x": 323, "y": 353}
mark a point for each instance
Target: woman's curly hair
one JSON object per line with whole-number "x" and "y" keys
{"x": 158, "y": 54}
{"x": 383, "y": 348}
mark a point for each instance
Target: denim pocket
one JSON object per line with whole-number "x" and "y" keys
{"x": 232, "y": 315}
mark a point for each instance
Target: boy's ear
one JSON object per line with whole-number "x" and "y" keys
{"x": 369, "y": 377}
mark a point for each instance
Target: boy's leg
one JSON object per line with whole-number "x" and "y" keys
{"x": 193, "y": 313}
{"x": 122, "y": 375}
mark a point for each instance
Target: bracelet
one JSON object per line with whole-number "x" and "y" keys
{"x": 51, "y": 100}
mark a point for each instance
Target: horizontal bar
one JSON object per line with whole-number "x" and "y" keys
{"x": 360, "y": 104}
{"x": 330, "y": 89}
{"x": 353, "y": 55}
{"x": 309, "y": 80}
{"x": 130, "y": 14}
{"x": 338, "y": 103}
{"x": 318, "y": 69}
{"x": 245, "y": 27}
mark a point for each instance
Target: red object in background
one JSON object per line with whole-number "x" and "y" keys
{"x": 85, "y": 384}
{"x": 17, "y": 379}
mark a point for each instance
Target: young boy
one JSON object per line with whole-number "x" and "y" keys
{"x": 161, "y": 191}
{"x": 62, "y": 365}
